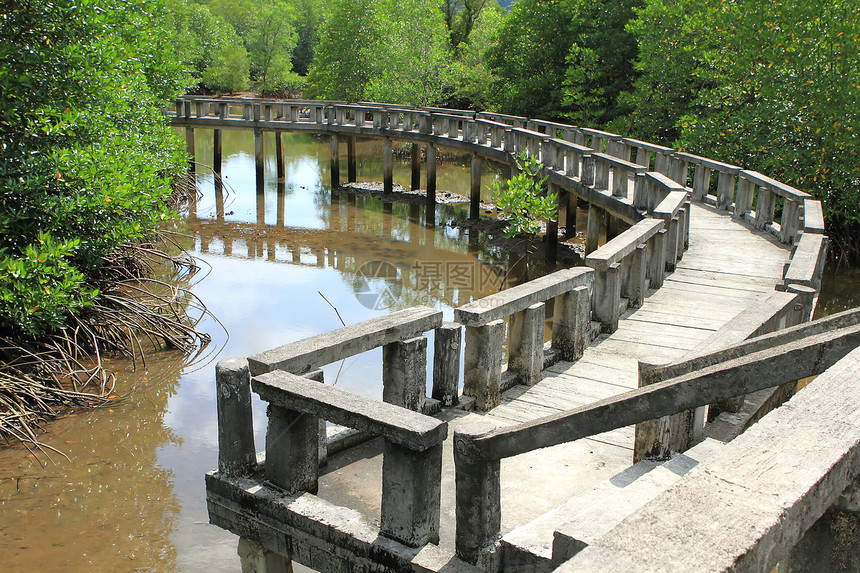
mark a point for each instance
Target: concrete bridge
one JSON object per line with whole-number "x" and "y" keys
{"x": 611, "y": 445}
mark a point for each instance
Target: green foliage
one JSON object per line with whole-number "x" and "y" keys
{"x": 412, "y": 55}
{"x": 209, "y": 48}
{"x": 564, "y": 58}
{"x": 470, "y": 80}
{"x": 228, "y": 72}
{"x": 530, "y": 57}
{"x": 344, "y": 60}
{"x": 523, "y": 199}
{"x": 403, "y": 52}
{"x": 600, "y": 62}
{"x": 39, "y": 287}
{"x": 772, "y": 87}
{"x": 461, "y": 17}
{"x": 87, "y": 156}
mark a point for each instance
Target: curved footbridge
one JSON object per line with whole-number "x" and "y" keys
{"x": 590, "y": 447}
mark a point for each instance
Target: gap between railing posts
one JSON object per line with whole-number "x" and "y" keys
{"x": 524, "y": 308}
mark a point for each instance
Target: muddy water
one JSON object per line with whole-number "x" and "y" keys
{"x": 281, "y": 263}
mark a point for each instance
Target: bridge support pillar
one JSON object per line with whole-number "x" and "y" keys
{"x": 431, "y": 177}
{"x": 387, "y": 215}
{"x": 475, "y": 195}
{"x": 387, "y": 166}
{"x": 483, "y": 364}
{"x": 258, "y": 158}
{"x": 261, "y": 202}
{"x": 254, "y": 557}
{"x": 216, "y": 152}
{"x": 596, "y": 216}
{"x": 189, "y": 148}
{"x": 569, "y": 214}
{"x": 351, "y": 168}
{"x": 416, "y": 166}
{"x": 279, "y": 155}
{"x": 334, "y": 147}
{"x": 613, "y": 227}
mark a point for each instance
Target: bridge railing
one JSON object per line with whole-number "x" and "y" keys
{"x": 525, "y": 308}
{"x": 624, "y": 269}
{"x": 754, "y": 365}
{"x": 590, "y": 163}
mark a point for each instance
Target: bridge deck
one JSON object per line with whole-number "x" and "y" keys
{"x": 727, "y": 268}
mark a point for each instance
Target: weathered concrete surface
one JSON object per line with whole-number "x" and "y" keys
{"x": 236, "y": 453}
{"x": 317, "y": 351}
{"x": 507, "y": 302}
{"x": 397, "y": 424}
{"x": 763, "y": 492}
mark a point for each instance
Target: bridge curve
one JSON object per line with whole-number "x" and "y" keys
{"x": 700, "y": 256}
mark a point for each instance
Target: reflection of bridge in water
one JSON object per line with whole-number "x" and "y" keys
{"x": 426, "y": 264}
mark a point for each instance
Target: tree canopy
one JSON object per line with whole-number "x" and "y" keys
{"x": 87, "y": 157}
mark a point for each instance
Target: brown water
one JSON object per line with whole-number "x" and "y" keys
{"x": 131, "y": 496}
{"x": 280, "y": 265}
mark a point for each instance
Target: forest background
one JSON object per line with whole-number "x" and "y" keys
{"x": 773, "y": 87}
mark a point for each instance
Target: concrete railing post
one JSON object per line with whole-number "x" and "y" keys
{"x": 765, "y": 207}
{"x": 236, "y": 454}
{"x": 411, "y": 494}
{"x": 672, "y": 243}
{"x": 657, "y": 260}
{"x": 601, "y": 174}
{"x": 478, "y": 498}
{"x": 588, "y": 167}
{"x": 744, "y": 201}
{"x": 620, "y": 181}
{"x": 404, "y": 373}
{"x": 606, "y": 297}
{"x": 446, "y": 363}
{"x": 571, "y": 318}
{"x": 592, "y": 230}
{"x": 636, "y": 284}
{"x": 641, "y": 192}
{"x": 525, "y": 354}
{"x": 483, "y": 364}
{"x": 725, "y": 190}
{"x": 292, "y": 450}
{"x": 790, "y": 222}
{"x": 701, "y": 182}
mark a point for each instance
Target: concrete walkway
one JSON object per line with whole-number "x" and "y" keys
{"x": 728, "y": 268}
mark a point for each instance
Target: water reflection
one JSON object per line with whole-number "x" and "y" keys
{"x": 286, "y": 260}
